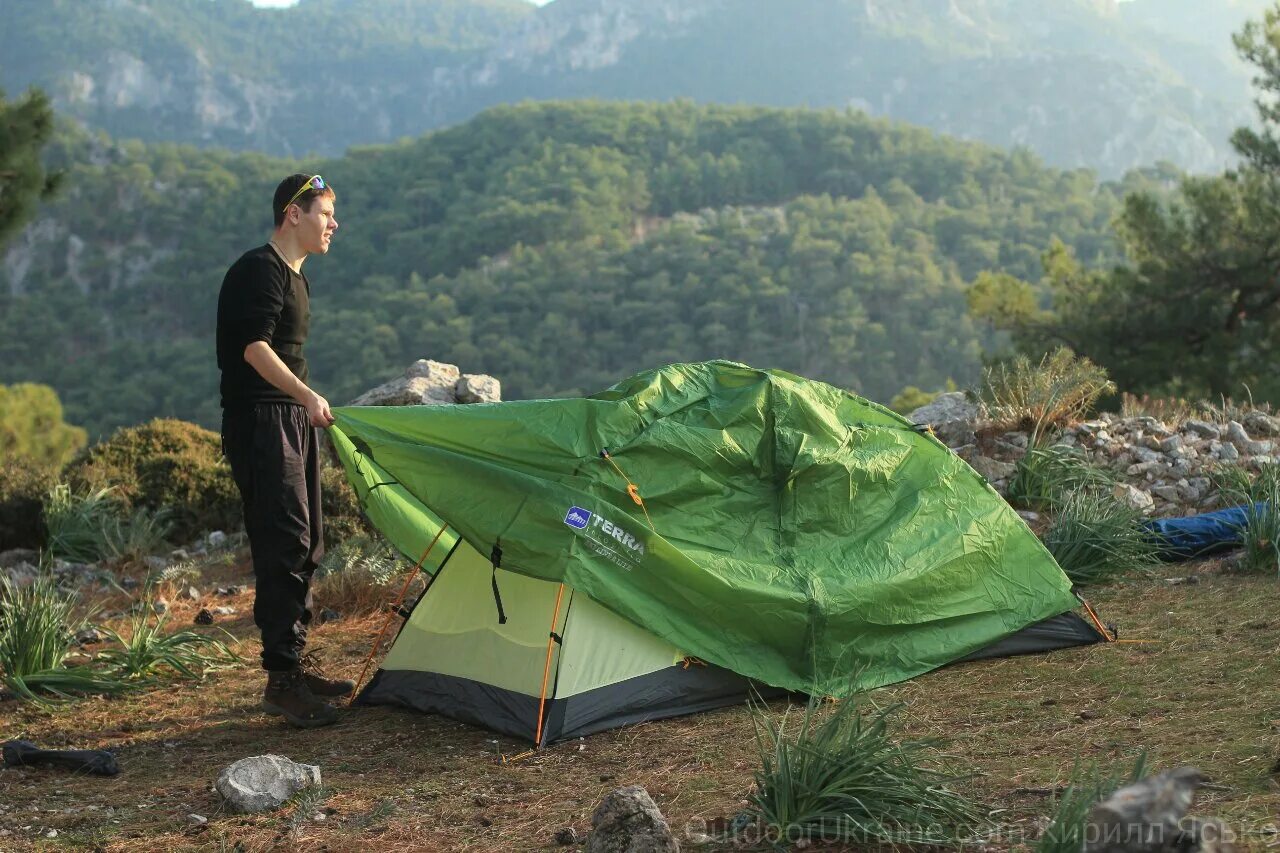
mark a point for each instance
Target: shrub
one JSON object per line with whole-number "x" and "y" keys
{"x": 23, "y": 487}
{"x": 1046, "y": 475}
{"x": 343, "y": 518}
{"x": 31, "y": 426}
{"x": 164, "y": 464}
{"x": 1095, "y": 539}
{"x": 1260, "y": 496}
{"x": 37, "y": 630}
{"x": 1036, "y": 397}
{"x": 360, "y": 575}
{"x": 1088, "y": 786}
{"x": 1168, "y": 410}
{"x": 77, "y": 524}
{"x": 148, "y": 651}
{"x": 846, "y": 779}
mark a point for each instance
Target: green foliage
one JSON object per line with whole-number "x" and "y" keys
{"x": 845, "y": 778}
{"x": 340, "y": 509}
{"x": 1088, "y": 786}
{"x": 1097, "y": 539}
{"x": 77, "y": 523}
{"x": 1037, "y": 397}
{"x": 136, "y": 535}
{"x": 358, "y": 576}
{"x": 165, "y": 465}
{"x": 1047, "y": 475}
{"x": 31, "y": 426}
{"x": 37, "y": 629}
{"x": 1260, "y": 495}
{"x": 638, "y": 234}
{"x": 911, "y": 398}
{"x": 23, "y": 487}
{"x": 147, "y": 651}
{"x": 26, "y": 125}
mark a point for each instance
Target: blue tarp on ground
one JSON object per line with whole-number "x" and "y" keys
{"x": 1201, "y": 535}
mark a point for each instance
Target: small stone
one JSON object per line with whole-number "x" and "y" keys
{"x": 1087, "y": 715}
{"x": 180, "y": 555}
{"x": 1028, "y": 515}
{"x": 217, "y": 539}
{"x": 88, "y": 636}
{"x": 567, "y": 836}
{"x": 1227, "y": 453}
{"x": 197, "y": 819}
{"x": 1236, "y": 433}
{"x": 193, "y": 593}
{"x": 1258, "y": 448}
{"x": 1204, "y": 429}
{"x": 155, "y": 565}
{"x": 204, "y": 617}
{"x": 329, "y": 615}
{"x": 1134, "y": 497}
{"x": 224, "y": 611}
{"x": 53, "y": 833}
{"x": 319, "y": 816}
{"x": 160, "y": 606}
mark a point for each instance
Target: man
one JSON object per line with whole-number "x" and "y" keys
{"x": 271, "y": 439}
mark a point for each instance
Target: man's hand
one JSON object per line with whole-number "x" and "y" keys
{"x": 318, "y": 411}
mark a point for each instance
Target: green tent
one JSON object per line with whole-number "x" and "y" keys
{"x": 653, "y": 549}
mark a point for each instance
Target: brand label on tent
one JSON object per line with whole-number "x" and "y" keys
{"x": 607, "y": 538}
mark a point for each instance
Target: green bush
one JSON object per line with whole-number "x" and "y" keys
{"x": 23, "y": 486}
{"x": 1095, "y": 539}
{"x": 164, "y": 465}
{"x": 1045, "y": 476}
{"x": 78, "y": 524}
{"x": 845, "y": 778}
{"x": 343, "y": 518}
{"x": 1061, "y": 389}
{"x": 1260, "y": 497}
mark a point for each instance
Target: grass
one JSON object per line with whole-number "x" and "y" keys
{"x": 147, "y": 650}
{"x": 847, "y": 778}
{"x": 1198, "y": 688}
{"x": 1036, "y": 398}
{"x": 359, "y": 576}
{"x": 138, "y": 535}
{"x": 1260, "y": 495}
{"x": 1088, "y": 786}
{"x": 76, "y": 523}
{"x": 38, "y": 623}
{"x": 1045, "y": 476}
{"x": 1096, "y": 539}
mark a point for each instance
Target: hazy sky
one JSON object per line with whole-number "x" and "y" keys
{"x": 279, "y": 3}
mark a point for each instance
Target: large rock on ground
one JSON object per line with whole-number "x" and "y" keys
{"x": 628, "y": 821}
{"x": 953, "y": 418}
{"x": 432, "y": 383}
{"x": 264, "y": 782}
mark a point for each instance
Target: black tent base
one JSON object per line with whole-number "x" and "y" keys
{"x": 670, "y": 692}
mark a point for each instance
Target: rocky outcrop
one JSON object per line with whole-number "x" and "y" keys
{"x": 432, "y": 383}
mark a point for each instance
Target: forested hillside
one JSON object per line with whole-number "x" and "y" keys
{"x": 556, "y": 246}
{"x": 1097, "y": 83}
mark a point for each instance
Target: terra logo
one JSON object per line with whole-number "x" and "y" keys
{"x": 577, "y": 518}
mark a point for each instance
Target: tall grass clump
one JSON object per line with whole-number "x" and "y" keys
{"x": 1260, "y": 497}
{"x": 136, "y": 535}
{"x": 38, "y": 624}
{"x": 76, "y": 523}
{"x": 358, "y": 576}
{"x": 845, "y": 778}
{"x": 1035, "y": 398}
{"x": 147, "y": 650}
{"x": 1088, "y": 786}
{"x": 1096, "y": 538}
{"x": 1045, "y": 476}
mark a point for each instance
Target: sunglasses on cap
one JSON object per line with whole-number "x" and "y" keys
{"x": 315, "y": 182}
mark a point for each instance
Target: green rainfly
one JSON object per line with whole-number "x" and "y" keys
{"x": 786, "y": 530}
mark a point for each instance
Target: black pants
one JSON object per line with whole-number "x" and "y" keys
{"x": 275, "y": 458}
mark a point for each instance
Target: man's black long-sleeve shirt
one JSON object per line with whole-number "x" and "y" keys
{"x": 262, "y": 299}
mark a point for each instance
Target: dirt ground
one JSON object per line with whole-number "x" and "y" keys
{"x": 1193, "y": 681}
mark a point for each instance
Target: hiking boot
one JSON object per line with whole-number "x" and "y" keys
{"x": 288, "y": 696}
{"x": 321, "y": 685}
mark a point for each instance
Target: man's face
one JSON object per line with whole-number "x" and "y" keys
{"x": 315, "y": 227}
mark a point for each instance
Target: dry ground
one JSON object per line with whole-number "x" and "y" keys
{"x": 1197, "y": 686}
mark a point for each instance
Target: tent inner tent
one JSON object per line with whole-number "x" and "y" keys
{"x": 661, "y": 547}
